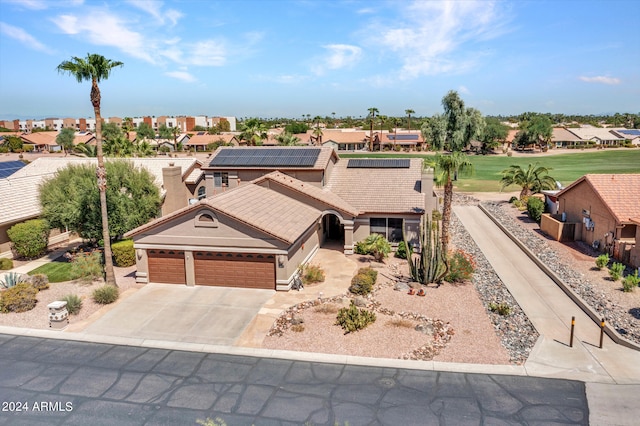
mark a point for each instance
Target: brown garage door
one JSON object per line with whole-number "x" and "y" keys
{"x": 235, "y": 270}
{"x": 166, "y": 266}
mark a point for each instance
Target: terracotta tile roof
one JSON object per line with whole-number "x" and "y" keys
{"x": 206, "y": 139}
{"x": 270, "y": 211}
{"x": 326, "y": 152}
{"x": 323, "y": 195}
{"x": 379, "y": 190}
{"x": 619, "y": 192}
{"x": 40, "y": 138}
{"x": 19, "y": 192}
{"x": 343, "y": 137}
{"x": 590, "y": 133}
{"x": 560, "y": 134}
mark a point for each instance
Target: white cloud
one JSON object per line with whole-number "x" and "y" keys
{"x": 365, "y": 11}
{"x": 434, "y": 34}
{"x": 338, "y": 56}
{"x": 29, "y": 4}
{"x": 181, "y": 75}
{"x": 22, "y": 36}
{"x": 207, "y": 53}
{"x": 463, "y": 90}
{"x": 600, "y": 79}
{"x": 106, "y": 29}
{"x": 154, "y": 8}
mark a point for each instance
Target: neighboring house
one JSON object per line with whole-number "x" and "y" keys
{"x": 20, "y": 191}
{"x": 632, "y": 135}
{"x": 404, "y": 141}
{"x": 41, "y": 141}
{"x": 605, "y": 208}
{"x": 201, "y": 140}
{"x": 257, "y": 232}
{"x": 562, "y": 138}
{"x": 344, "y": 140}
{"x": 600, "y": 136}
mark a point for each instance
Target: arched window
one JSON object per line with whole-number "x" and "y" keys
{"x": 206, "y": 219}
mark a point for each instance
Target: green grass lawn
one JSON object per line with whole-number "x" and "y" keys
{"x": 566, "y": 168}
{"x": 56, "y": 271}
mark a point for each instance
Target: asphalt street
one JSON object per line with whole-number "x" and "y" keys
{"x": 58, "y": 382}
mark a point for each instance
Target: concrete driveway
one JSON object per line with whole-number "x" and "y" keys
{"x": 208, "y": 315}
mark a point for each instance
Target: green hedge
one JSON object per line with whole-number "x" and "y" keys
{"x": 123, "y": 253}
{"x": 31, "y": 238}
{"x": 6, "y": 264}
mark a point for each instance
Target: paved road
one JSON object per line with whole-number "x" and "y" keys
{"x": 101, "y": 384}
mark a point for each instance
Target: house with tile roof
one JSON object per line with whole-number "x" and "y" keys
{"x": 600, "y": 136}
{"x": 201, "y": 140}
{"x": 605, "y": 208}
{"x": 342, "y": 140}
{"x": 269, "y": 209}
{"x": 19, "y": 192}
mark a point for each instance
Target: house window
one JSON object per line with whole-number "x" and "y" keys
{"x": 202, "y": 192}
{"x": 220, "y": 179}
{"x": 390, "y": 228}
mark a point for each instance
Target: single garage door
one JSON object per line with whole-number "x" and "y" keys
{"x": 235, "y": 270}
{"x": 166, "y": 266}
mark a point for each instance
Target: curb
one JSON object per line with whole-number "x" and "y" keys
{"x": 611, "y": 332}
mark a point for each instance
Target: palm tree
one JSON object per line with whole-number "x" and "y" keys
{"x": 287, "y": 139}
{"x": 86, "y": 150}
{"x": 317, "y": 133}
{"x": 532, "y": 180}
{"x": 409, "y": 112}
{"x": 96, "y": 68}
{"x": 372, "y": 114}
{"x": 254, "y": 132}
{"x": 447, "y": 167}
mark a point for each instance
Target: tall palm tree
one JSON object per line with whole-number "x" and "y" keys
{"x": 96, "y": 68}
{"x": 534, "y": 179}
{"x": 287, "y": 139}
{"x": 409, "y": 112}
{"x": 372, "y": 114}
{"x": 447, "y": 167}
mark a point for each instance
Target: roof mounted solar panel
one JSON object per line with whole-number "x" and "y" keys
{"x": 266, "y": 157}
{"x": 7, "y": 168}
{"x": 379, "y": 163}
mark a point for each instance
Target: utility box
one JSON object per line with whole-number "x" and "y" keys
{"x": 58, "y": 315}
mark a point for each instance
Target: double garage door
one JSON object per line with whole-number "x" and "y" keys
{"x": 214, "y": 269}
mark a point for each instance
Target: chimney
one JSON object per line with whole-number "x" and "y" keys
{"x": 176, "y": 196}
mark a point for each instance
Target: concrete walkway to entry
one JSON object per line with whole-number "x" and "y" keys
{"x": 550, "y": 310}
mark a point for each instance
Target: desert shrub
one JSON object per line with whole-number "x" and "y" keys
{"x": 210, "y": 422}
{"x": 29, "y": 239}
{"x": 87, "y": 266}
{"x": 376, "y": 245}
{"x": 353, "y": 318}
{"x": 19, "y": 298}
{"x": 123, "y": 253}
{"x": 513, "y": 199}
{"x": 401, "y": 251}
{"x": 436, "y": 215}
{"x": 602, "y": 260}
{"x": 535, "y": 208}
{"x": 106, "y": 294}
{"x": 500, "y": 308}
{"x": 400, "y": 323}
{"x": 74, "y": 303}
{"x": 461, "y": 267}
{"x": 311, "y": 274}
{"x": 39, "y": 281}
{"x": 326, "y": 308}
{"x": 362, "y": 283}
{"x": 630, "y": 282}
{"x": 5, "y": 264}
{"x": 12, "y": 279}
{"x": 518, "y": 204}
{"x": 616, "y": 271}
{"x": 298, "y": 328}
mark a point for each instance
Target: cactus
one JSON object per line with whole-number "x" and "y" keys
{"x": 431, "y": 266}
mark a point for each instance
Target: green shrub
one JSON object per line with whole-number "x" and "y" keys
{"x": 401, "y": 251}
{"x": 40, "y": 281}
{"x": 29, "y": 239}
{"x": 461, "y": 267}
{"x": 311, "y": 274}
{"x": 87, "y": 266}
{"x": 376, "y": 245}
{"x": 6, "y": 264}
{"x": 630, "y": 282}
{"x": 602, "y": 261}
{"x": 12, "y": 279}
{"x": 616, "y": 271}
{"x": 353, "y": 319}
{"x": 362, "y": 283}
{"x": 19, "y": 298}
{"x": 106, "y": 294}
{"x": 535, "y": 208}
{"x": 436, "y": 215}
{"x": 500, "y": 308}
{"x": 74, "y": 303}
{"x": 124, "y": 254}
{"x": 513, "y": 199}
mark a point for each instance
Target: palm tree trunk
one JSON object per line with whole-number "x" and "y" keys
{"x": 102, "y": 188}
{"x": 446, "y": 215}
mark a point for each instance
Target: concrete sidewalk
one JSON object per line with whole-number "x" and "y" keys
{"x": 550, "y": 310}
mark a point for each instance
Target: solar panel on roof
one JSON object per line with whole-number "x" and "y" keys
{"x": 633, "y": 132}
{"x": 413, "y": 137}
{"x": 7, "y": 168}
{"x": 263, "y": 157}
{"x": 379, "y": 163}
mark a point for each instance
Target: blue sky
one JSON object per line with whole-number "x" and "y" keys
{"x": 289, "y": 58}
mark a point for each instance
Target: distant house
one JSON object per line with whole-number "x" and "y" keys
{"x": 605, "y": 208}
{"x": 201, "y": 140}
{"x": 269, "y": 209}
{"x": 42, "y": 141}
{"x": 600, "y": 136}
{"x": 563, "y": 138}
{"x": 19, "y": 191}
{"x": 344, "y": 140}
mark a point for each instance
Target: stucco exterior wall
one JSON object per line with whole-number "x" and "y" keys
{"x": 634, "y": 255}
{"x": 299, "y": 253}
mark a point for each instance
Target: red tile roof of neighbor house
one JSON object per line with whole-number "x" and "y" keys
{"x": 619, "y": 192}
{"x": 40, "y": 138}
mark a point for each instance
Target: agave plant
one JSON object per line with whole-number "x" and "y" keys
{"x": 10, "y": 279}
